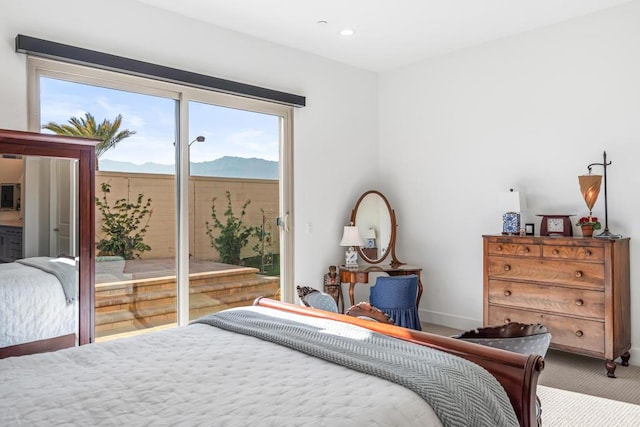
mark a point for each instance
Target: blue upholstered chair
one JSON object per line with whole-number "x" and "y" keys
{"x": 396, "y": 296}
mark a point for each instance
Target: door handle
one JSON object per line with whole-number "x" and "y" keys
{"x": 283, "y": 222}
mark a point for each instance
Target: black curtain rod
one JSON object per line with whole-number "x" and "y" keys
{"x": 53, "y": 50}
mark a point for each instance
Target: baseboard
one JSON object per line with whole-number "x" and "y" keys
{"x": 448, "y": 320}
{"x": 635, "y": 356}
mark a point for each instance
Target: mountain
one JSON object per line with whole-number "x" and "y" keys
{"x": 227, "y": 167}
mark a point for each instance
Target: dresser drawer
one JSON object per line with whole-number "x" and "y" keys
{"x": 570, "y": 273}
{"x": 519, "y": 249}
{"x": 571, "y": 301}
{"x": 581, "y": 253}
{"x": 571, "y": 332}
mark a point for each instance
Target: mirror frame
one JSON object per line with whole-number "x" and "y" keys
{"x": 391, "y": 248}
{"x": 82, "y": 149}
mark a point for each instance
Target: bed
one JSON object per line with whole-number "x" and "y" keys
{"x": 225, "y": 370}
{"x": 38, "y": 304}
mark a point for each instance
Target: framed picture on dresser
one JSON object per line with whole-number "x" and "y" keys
{"x": 529, "y": 229}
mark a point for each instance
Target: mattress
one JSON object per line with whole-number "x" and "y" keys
{"x": 198, "y": 375}
{"x": 33, "y": 306}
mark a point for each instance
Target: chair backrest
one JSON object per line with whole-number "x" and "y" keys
{"x": 364, "y": 310}
{"x": 313, "y": 298}
{"x": 517, "y": 337}
{"x": 395, "y": 291}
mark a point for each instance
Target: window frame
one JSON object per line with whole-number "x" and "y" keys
{"x": 41, "y": 67}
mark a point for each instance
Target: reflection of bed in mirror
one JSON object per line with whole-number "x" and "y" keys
{"x": 38, "y": 301}
{"x": 46, "y": 242}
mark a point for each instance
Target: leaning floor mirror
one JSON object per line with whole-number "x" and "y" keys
{"x": 47, "y": 229}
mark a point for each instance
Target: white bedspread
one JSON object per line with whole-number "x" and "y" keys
{"x": 32, "y": 306}
{"x": 198, "y": 375}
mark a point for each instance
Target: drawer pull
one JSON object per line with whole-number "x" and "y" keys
{"x": 588, "y": 252}
{"x": 507, "y": 293}
{"x": 499, "y": 249}
{"x": 526, "y": 250}
{"x": 555, "y": 252}
{"x": 507, "y": 320}
{"x": 579, "y": 302}
{"x": 578, "y": 273}
{"x": 507, "y": 267}
{"x": 579, "y": 333}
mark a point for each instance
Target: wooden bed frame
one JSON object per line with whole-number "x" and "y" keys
{"x": 517, "y": 373}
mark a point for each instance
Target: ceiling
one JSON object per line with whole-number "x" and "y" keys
{"x": 388, "y": 34}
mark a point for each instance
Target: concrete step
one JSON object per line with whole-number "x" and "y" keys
{"x": 126, "y": 287}
{"x": 125, "y": 320}
{"x": 143, "y": 303}
{"x": 144, "y": 297}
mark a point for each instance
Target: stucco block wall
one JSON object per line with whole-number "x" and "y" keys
{"x": 161, "y": 233}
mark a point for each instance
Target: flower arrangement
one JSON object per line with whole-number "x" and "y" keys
{"x": 589, "y": 220}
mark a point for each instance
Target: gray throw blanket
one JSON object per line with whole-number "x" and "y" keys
{"x": 460, "y": 392}
{"x": 66, "y": 274}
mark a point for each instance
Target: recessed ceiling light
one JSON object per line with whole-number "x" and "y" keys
{"x": 347, "y": 32}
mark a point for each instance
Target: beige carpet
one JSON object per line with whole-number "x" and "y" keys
{"x": 562, "y": 408}
{"x": 575, "y": 390}
{"x": 587, "y": 375}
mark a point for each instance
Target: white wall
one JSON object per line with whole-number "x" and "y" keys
{"x": 335, "y": 134}
{"x": 528, "y": 112}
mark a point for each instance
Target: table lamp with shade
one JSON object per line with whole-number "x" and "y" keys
{"x": 511, "y": 203}
{"x": 351, "y": 238}
{"x": 370, "y": 238}
{"x": 590, "y": 189}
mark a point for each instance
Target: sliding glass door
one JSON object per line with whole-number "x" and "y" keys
{"x": 189, "y": 186}
{"x": 135, "y": 281}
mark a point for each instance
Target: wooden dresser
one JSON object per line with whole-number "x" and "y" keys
{"x": 577, "y": 287}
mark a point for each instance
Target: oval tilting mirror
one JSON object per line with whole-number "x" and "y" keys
{"x": 376, "y": 222}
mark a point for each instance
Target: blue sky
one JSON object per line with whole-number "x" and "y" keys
{"x": 227, "y": 131}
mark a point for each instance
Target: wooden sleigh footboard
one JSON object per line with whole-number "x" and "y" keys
{"x": 517, "y": 373}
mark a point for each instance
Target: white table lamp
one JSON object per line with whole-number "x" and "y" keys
{"x": 512, "y": 203}
{"x": 351, "y": 238}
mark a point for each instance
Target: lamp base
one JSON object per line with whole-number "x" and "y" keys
{"x": 351, "y": 258}
{"x": 606, "y": 234}
{"x": 511, "y": 223}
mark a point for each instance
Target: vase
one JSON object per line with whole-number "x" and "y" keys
{"x": 587, "y": 230}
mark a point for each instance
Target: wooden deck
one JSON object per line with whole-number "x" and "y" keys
{"x": 142, "y": 295}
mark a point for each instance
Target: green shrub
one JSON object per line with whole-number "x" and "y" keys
{"x": 234, "y": 234}
{"x": 122, "y": 225}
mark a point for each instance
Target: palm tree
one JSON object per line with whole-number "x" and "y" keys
{"x": 86, "y": 127}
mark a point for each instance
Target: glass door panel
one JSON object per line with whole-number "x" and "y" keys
{"x": 234, "y": 188}
{"x": 135, "y": 199}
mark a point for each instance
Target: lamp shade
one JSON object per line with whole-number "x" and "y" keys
{"x": 512, "y": 201}
{"x": 590, "y": 188}
{"x": 351, "y": 236}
